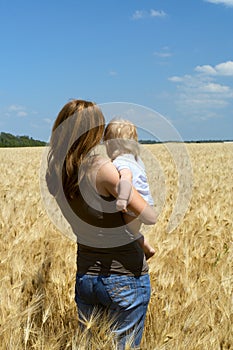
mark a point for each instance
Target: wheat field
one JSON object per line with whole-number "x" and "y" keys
{"x": 191, "y": 273}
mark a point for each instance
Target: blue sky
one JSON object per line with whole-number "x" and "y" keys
{"x": 173, "y": 57}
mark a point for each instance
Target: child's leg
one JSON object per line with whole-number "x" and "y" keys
{"x": 147, "y": 248}
{"x": 134, "y": 226}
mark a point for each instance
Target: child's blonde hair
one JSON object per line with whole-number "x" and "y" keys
{"x": 121, "y": 137}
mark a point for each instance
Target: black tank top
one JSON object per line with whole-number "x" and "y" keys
{"x": 105, "y": 245}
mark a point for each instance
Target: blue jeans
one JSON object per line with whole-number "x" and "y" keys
{"x": 124, "y": 297}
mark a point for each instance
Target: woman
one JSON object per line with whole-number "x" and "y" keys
{"x": 112, "y": 272}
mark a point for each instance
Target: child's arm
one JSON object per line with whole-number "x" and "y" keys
{"x": 107, "y": 180}
{"x": 124, "y": 189}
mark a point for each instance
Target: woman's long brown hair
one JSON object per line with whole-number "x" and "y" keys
{"x": 77, "y": 129}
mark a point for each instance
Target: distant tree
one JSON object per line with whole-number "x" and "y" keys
{"x": 9, "y": 140}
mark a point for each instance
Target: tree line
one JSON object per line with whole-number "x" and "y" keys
{"x": 9, "y": 140}
{"x": 190, "y": 141}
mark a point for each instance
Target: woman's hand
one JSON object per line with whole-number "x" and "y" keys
{"x": 144, "y": 212}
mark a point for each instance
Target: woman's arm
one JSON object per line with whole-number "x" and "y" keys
{"x": 107, "y": 180}
{"x": 144, "y": 212}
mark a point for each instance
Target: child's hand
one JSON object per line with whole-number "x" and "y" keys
{"x": 121, "y": 205}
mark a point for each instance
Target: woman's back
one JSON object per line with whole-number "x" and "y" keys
{"x": 119, "y": 252}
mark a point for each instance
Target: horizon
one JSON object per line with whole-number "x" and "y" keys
{"x": 140, "y": 140}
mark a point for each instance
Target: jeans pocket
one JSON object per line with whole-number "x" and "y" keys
{"x": 121, "y": 289}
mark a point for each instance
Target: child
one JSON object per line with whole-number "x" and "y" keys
{"x": 122, "y": 147}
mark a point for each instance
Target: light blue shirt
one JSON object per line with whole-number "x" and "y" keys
{"x": 139, "y": 178}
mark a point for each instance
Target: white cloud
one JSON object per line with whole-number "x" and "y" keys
{"x": 141, "y": 14}
{"x": 225, "y": 68}
{"x": 221, "y": 69}
{"x": 215, "y": 88}
{"x": 112, "y": 73}
{"x": 175, "y": 79}
{"x": 19, "y": 111}
{"x": 15, "y": 108}
{"x": 22, "y": 114}
{"x": 155, "y": 13}
{"x": 163, "y": 53}
{"x": 228, "y": 3}
{"x": 201, "y": 94}
{"x": 201, "y": 101}
{"x": 47, "y": 120}
{"x": 206, "y": 69}
{"x": 187, "y": 79}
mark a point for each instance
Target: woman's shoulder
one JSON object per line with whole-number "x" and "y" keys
{"x": 102, "y": 171}
{"x": 99, "y": 160}
{"x": 106, "y": 168}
